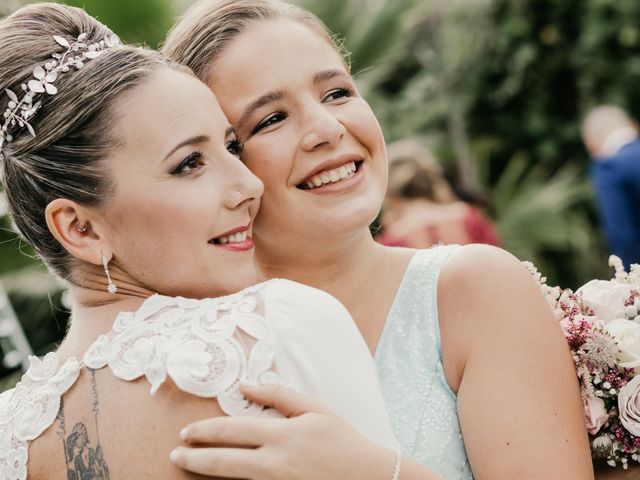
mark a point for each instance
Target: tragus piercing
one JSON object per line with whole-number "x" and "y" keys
{"x": 111, "y": 287}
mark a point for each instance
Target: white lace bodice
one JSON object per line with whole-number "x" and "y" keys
{"x": 278, "y": 331}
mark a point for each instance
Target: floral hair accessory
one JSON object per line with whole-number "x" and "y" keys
{"x": 20, "y": 111}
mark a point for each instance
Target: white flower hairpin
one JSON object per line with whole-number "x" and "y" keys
{"x": 19, "y": 112}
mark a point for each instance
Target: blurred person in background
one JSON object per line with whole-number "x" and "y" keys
{"x": 611, "y": 137}
{"x": 421, "y": 209}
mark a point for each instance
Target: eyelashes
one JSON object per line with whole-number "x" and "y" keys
{"x": 338, "y": 93}
{"x": 191, "y": 163}
{"x": 267, "y": 122}
{"x": 235, "y": 147}
{"x": 334, "y": 95}
{"x": 195, "y": 160}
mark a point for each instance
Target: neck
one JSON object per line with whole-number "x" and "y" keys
{"x": 94, "y": 309}
{"x": 349, "y": 268}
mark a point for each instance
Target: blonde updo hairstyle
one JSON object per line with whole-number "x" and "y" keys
{"x": 208, "y": 27}
{"x": 73, "y": 128}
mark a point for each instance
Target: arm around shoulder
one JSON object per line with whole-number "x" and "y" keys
{"x": 504, "y": 353}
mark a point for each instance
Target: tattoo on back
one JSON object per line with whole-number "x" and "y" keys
{"x": 84, "y": 462}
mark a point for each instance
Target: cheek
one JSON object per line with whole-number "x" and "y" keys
{"x": 271, "y": 162}
{"x": 371, "y": 132}
{"x": 157, "y": 218}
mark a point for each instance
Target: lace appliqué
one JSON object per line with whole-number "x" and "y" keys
{"x": 30, "y": 408}
{"x": 207, "y": 347}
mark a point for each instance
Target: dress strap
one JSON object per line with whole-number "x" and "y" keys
{"x": 27, "y": 410}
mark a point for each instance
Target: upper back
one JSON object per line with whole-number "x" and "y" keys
{"x": 109, "y": 428}
{"x": 192, "y": 356}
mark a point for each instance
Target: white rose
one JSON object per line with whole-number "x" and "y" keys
{"x": 627, "y": 337}
{"x": 606, "y": 297}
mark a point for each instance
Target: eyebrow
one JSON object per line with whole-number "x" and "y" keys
{"x": 261, "y": 101}
{"x": 328, "y": 75}
{"x": 191, "y": 141}
{"x": 276, "y": 95}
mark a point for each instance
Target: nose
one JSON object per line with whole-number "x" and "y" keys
{"x": 245, "y": 189}
{"x": 322, "y": 128}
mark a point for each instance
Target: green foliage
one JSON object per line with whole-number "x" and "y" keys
{"x": 140, "y": 21}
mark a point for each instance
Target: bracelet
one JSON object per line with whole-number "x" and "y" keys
{"x": 396, "y": 470}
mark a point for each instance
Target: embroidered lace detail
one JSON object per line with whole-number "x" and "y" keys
{"x": 207, "y": 347}
{"x": 419, "y": 400}
{"x": 30, "y": 408}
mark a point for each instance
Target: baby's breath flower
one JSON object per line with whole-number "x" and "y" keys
{"x": 600, "y": 350}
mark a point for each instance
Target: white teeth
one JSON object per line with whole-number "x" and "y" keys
{"x": 234, "y": 238}
{"x": 331, "y": 176}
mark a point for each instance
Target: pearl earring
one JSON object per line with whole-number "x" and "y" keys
{"x": 111, "y": 287}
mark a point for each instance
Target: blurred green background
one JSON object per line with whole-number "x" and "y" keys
{"x": 496, "y": 88}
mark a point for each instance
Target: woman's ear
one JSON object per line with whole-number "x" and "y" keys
{"x": 80, "y": 231}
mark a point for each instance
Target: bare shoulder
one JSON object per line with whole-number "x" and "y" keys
{"x": 483, "y": 267}
{"x": 486, "y": 278}
{"x": 487, "y": 300}
{"x": 504, "y": 352}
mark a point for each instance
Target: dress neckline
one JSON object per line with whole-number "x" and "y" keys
{"x": 394, "y": 305}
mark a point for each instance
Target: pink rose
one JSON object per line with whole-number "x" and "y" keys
{"x": 629, "y": 406}
{"x": 595, "y": 414}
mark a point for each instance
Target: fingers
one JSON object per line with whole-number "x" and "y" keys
{"x": 236, "y": 431}
{"x": 218, "y": 462}
{"x": 285, "y": 400}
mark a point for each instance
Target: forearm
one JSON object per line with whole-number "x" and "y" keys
{"x": 384, "y": 467}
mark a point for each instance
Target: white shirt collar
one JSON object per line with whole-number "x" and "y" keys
{"x": 616, "y": 140}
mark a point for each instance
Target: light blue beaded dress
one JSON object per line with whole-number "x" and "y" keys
{"x": 420, "y": 402}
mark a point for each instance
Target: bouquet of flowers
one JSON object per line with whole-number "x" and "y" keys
{"x": 601, "y": 322}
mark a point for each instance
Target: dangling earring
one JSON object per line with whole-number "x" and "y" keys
{"x": 111, "y": 287}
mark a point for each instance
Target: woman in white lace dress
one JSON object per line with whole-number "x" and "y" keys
{"x": 476, "y": 373}
{"x": 122, "y": 172}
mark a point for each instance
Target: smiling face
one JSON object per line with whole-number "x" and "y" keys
{"x": 181, "y": 212}
{"x": 308, "y": 135}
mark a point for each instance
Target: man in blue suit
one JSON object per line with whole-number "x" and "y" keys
{"x": 611, "y": 137}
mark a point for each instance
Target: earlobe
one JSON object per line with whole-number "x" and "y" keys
{"x": 77, "y": 230}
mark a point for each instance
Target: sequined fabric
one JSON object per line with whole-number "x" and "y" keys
{"x": 419, "y": 400}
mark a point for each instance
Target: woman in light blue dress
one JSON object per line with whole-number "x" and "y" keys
{"x": 476, "y": 374}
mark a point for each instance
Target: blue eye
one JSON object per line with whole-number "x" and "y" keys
{"x": 270, "y": 120}
{"x": 235, "y": 147}
{"x": 190, "y": 164}
{"x": 337, "y": 94}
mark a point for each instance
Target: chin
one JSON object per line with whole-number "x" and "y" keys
{"x": 352, "y": 217}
